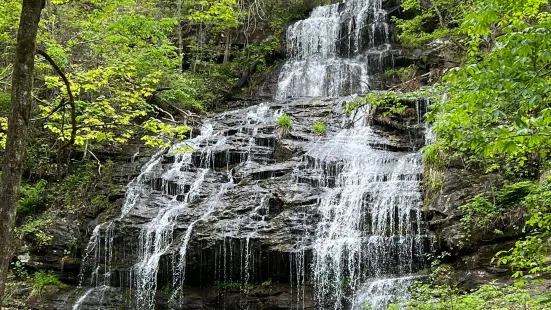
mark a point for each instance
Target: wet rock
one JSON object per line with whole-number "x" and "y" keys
{"x": 460, "y": 185}
{"x": 471, "y": 251}
{"x": 262, "y": 208}
{"x": 59, "y": 255}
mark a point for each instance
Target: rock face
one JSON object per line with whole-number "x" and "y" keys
{"x": 237, "y": 217}
{"x": 470, "y": 253}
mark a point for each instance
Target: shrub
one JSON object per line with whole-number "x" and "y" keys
{"x": 498, "y": 210}
{"x": 267, "y": 283}
{"x": 284, "y": 125}
{"x": 318, "y": 129}
{"x": 31, "y": 197}
{"x": 33, "y": 230}
{"x": 19, "y": 270}
{"x": 42, "y": 279}
{"x": 440, "y": 291}
{"x": 490, "y": 296}
{"x": 529, "y": 256}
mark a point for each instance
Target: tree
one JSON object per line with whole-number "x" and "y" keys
{"x": 497, "y": 103}
{"x": 18, "y": 120}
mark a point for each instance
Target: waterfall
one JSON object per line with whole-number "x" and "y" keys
{"x": 330, "y": 51}
{"x": 370, "y": 226}
{"x": 336, "y": 219}
{"x": 370, "y": 233}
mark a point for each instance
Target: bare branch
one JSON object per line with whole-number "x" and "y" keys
{"x": 69, "y": 93}
{"x": 99, "y": 162}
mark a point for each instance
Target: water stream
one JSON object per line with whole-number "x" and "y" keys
{"x": 337, "y": 219}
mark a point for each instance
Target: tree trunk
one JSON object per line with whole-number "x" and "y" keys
{"x": 18, "y": 120}
{"x": 180, "y": 38}
{"x": 228, "y": 46}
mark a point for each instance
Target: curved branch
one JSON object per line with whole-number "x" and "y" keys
{"x": 59, "y": 106}
{"x": 69, "y": 93}
{"x": 155, "y": 92}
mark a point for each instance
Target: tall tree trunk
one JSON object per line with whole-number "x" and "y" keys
{"x": 180, "y": 38}
{"x": 228, "y": 46}
{"x": 18, "y": 120}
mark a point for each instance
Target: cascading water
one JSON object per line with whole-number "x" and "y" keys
{"x": 168, "y": 190}
{"x": 339, "y": 215}
{"x": 330, "y": 51}
{"x": 370, "y": 226}
{"x": 370, "y": 229}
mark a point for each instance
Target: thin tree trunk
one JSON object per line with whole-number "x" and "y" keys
{"x": 18, "y": 120}
{"x": 227, "y": 50}
{"x": 180, "y": 39}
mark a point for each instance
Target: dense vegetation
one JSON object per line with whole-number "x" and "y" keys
{"x": 137, "y": 68}
{"x": 490, "y": 111}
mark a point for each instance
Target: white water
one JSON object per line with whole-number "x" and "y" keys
{"x": 82, "y": 298}
{"x": 370, "y": 229}
{"x": 328, "y": 51}
{"x": 370, "y": 224}
{"x": 97, "y": 262}
{"x": 369, "y": 235}
{"x": 158, "y": 188}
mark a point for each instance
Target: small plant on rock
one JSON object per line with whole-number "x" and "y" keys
{"x": 284, "y": 125}
{"x": 43, "y": 279}
{"x": 19, "y": 271}
{"x": 318, "y": 129}
{"x": 267, "y": 283}
{"x": 35, "y": 231}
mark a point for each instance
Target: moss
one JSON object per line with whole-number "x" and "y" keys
{"x": 435, "y": 160}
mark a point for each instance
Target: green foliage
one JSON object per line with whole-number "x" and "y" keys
{"x": 388, "y": 102}
{"x": 33, "y": 230}
{"x": 101, "y": 201}
{"x": 5, "y": 100}
{"x": 284, "y": 125}
{"x": 119, "y": 54}
{"x": 230, "y": 286}
{"x": 494, "y": 113}
{"x": 75, "y": 190}
{"x": 530, "y": 255}
{"x": 403, "y": 74}
{"x": 76, "y": 185}
{"x": 9, "y": 10}
{"x": 440, "y": 292}
{"x": 188, "y": 92}
{"x": 318, "y": 129}
{"x": 429, "y": 21}
{"x": 492, "y": 210}
{"x": 434, "y": 165}
{"x": 280, "y": 12}
{"x": 220, "y": 14}
{"x": 491, "y": 296}
{"x": 31, "y": 198}
{"x": 43, "y": 279}
{"x": 19, "y": 270}
{"x": 497, "y": 104}
{"x": 266, "y": 283}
